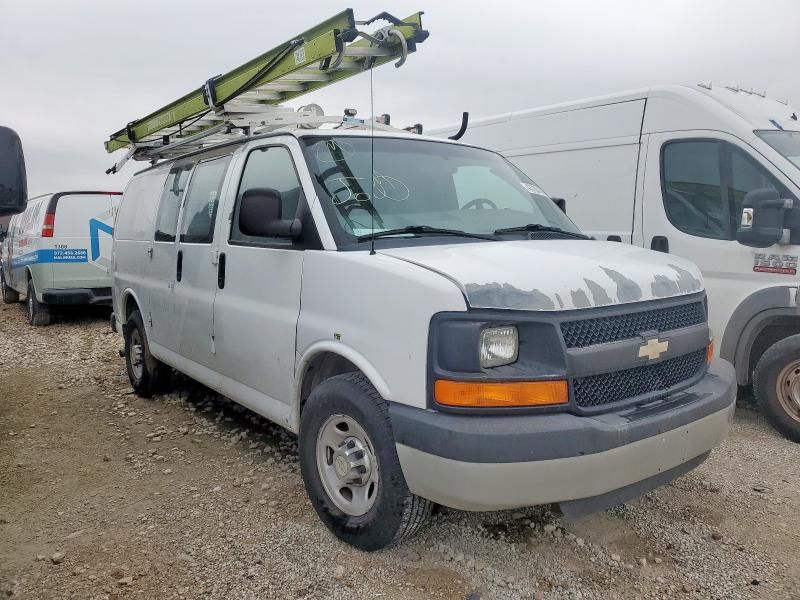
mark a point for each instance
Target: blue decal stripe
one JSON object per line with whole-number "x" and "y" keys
{"x": 95, "y": 227}
{"x": 58, "y": 255}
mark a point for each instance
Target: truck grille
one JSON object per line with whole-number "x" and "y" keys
{"x": 608, "y": 388}
{"x": 601, "y": 330}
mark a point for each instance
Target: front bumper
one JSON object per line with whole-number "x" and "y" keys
{"x": 76, "y": 296}
{"x": 472, "y": 462}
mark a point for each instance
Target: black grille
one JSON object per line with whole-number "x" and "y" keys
{"x": 601, "y": 330}
{"x": 608, "y": 388}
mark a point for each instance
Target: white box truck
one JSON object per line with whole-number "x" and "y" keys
{"x": 708, "y": 173}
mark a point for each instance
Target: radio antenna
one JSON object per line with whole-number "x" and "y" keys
{"x": 372, "y": 164}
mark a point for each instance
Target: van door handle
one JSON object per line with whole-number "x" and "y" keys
{"x": 179, "y": 272}
{"x": 660, "y": 243}
{"x": 221, "y": 271}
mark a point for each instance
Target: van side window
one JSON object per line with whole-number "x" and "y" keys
{"x": 704, "y": 183}
{"x": 693, "y": 194}
{"x": 747, "y": 175}
{"x": 270, "y": 167}
{"x": 167, "y": 220}
{"x": 202, "y": 199}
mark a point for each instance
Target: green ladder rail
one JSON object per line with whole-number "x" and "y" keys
{"x": 249, "y": 95}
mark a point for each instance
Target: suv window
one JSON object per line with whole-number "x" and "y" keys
{"x": 169, "y": 207}
{"x": 270, "y": 167}
{"x": 202, "y": 199}
{"x": 693, "y": 193}
{"x": 704, "y": 183}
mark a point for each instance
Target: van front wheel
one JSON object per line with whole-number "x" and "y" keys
{"x": 38, "y": 313}
{"x": 776, "y": 383}
{"x": 349, "y": 464}
{"x": 10, "y": 296}
{"x": 145, "y": 372}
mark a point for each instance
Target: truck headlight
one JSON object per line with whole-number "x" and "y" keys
{"x": 499, "y": 346}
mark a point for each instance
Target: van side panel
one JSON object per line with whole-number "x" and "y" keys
{"x": 81, "y": 242}
{"x": 133, "y": 236}
{"x": 586, "y": 156}
{"x": 24, "y": 249}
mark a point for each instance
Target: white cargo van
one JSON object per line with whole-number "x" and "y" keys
{"x": 708, "y": 173}
{"x": 425, "y": 318}
{"x": 58, "y": 252}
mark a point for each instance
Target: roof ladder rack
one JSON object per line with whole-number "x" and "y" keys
{"x": 249, "y": 97}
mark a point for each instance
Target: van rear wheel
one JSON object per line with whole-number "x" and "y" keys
{"x": 349, "y": 464}
{"x": 38, "y": 313}
{"x": 10, "y": 296}
{"x": 776, "y": 384}
{"x": 145, "y": 372}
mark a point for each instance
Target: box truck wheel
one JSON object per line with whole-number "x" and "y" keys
{"x": 776, "y": 383}
{"x": 10, "y": 296}
{"x": 349, "y": 464}
{"x": 145, "y": 372}
{"x": 38, "y": 313}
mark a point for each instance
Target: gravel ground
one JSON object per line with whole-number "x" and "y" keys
{"x": 105, "y": 495}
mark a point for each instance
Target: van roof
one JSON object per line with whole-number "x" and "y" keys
{"x": 741, "y": 111}
{"x": 55, "y": 197}
{"x": 302, "y": 133}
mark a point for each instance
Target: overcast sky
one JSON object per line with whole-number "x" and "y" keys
{"x": 74, "y": 71}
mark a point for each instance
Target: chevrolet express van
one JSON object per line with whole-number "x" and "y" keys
{"x": 425, "y": 319}
{"x": 58, "y": 252}
{"x": 707, "y": 173}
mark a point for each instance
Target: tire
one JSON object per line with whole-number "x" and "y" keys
{"x": 145, "y": 372}
{"x": 390, "y": 513}
{"x": 776, "y": 384}
{"x": 38, "y": 313}
{"x": 10, "y": 296}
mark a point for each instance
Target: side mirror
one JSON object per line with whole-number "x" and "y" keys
{"x": 13, "y": 182}
{"x": 260, "y": 215}
{"x": 560, "y": 203}
{"x": 762, "y": 220}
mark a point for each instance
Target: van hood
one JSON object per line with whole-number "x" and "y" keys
{"x": 555, "y": 274}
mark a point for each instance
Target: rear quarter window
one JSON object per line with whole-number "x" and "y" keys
{"x": 136, "y": 216}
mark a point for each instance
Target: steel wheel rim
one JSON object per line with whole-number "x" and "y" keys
{"x": 347, "y": 465}
{"x": 137, "y": 354}
{"x": 788, "y": 389}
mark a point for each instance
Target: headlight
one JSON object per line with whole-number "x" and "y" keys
{"x": 499, "y": 346}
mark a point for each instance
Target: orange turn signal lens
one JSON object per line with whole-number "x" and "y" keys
{"x": 709, "y": 352}
{"x": 500, "y": 395}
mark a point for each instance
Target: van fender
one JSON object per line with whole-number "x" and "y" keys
{"x": 122, "y": 318}
{"x": 29, "y": 276}
{"x": 749, "y": 319}
{"x": 345, "y": 351}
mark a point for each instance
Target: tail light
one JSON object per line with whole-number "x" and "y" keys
{"x": 49, "y": 224}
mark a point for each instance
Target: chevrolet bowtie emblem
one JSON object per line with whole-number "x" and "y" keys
{"x": 653, "y": 349}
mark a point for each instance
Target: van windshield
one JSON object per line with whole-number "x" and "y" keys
{"x": 785, "y": 142}
{"x": 423, "y": 183}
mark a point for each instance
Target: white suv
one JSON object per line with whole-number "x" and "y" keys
{"x": 427, "y": 321}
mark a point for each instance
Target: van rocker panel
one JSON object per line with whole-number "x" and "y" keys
{"x": 472, "y": 462}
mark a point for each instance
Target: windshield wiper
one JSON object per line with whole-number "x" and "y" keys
{"x": 423, "y": 229}
{"x": 540, "y": 227}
